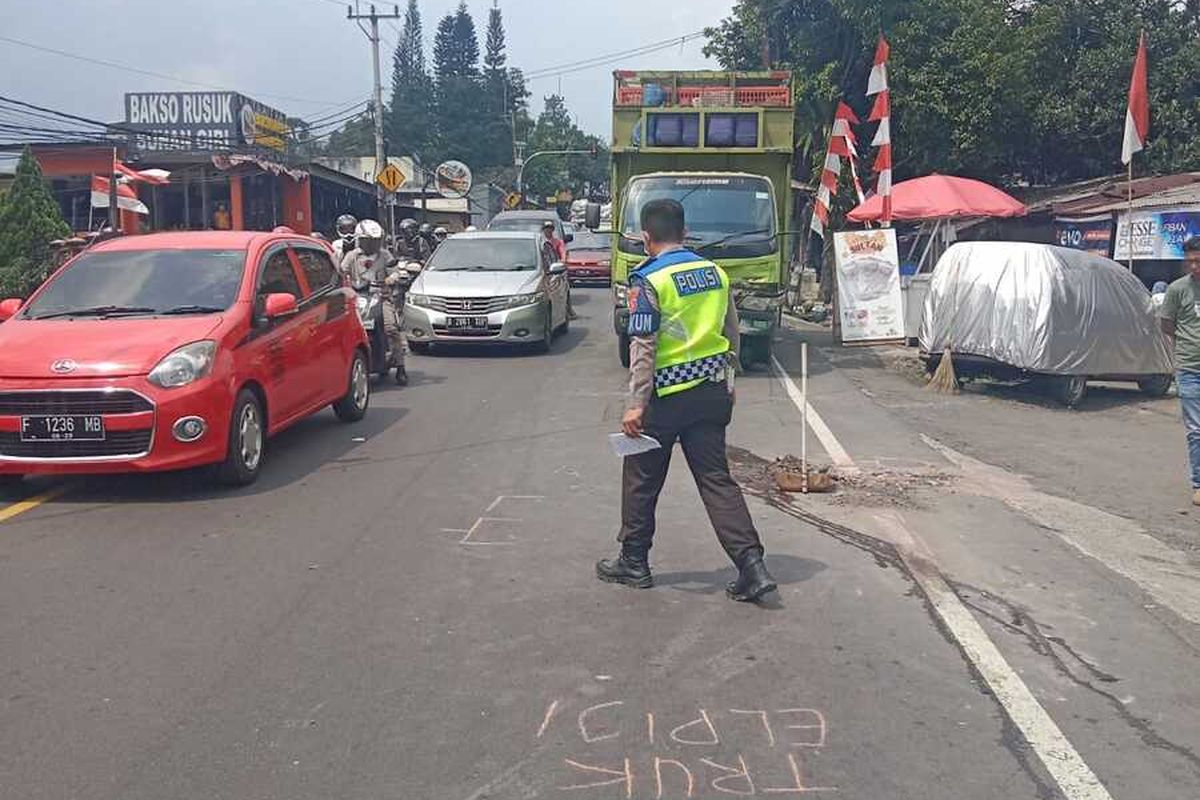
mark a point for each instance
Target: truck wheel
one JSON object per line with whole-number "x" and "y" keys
{"x": 756, "y": 351}
{"x": 1155, "y": 385}
{"x": 623, "y": 350}
{"x": 1070, "y": 390}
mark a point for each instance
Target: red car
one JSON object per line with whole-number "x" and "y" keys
{"x": 177, "y": 350}
{"x": 589, "y": 259}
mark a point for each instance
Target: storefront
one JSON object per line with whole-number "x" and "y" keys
{"x": 230, "y": 167}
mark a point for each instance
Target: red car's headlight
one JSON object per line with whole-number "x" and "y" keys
{"x": 184, "y": 365}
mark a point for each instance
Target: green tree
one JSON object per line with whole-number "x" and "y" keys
{"x": 460, "y": 93}
{"x": 29, "y": 220}
{"x": 355, "y": 138}
{"x": 555, "y": 130}
{"x": 409, "y": 119}
{"x": 501, "y": 96}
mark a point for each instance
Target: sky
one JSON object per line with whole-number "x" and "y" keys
{"x": 305, "y": 58}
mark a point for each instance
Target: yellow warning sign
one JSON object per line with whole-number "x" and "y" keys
{"x": 512, "y": 200}
{"x": 390, "y": 178}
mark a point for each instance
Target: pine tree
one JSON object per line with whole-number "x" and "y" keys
{"x": 497, "y": 134}
{"x": 409, "y": 119}
{"x": 460, "y": 94}
{"x": 29, "y": 220}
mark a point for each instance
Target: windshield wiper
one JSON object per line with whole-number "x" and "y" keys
{"x": 98, "y": 311}
{"x": 730, "y": 237}
{"x": 192, "y": 309}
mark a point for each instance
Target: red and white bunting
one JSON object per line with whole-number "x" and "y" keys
{"x": 1137, "y": 113}
{"x": 881, "y": 112}
{"x": 842, "y": 144}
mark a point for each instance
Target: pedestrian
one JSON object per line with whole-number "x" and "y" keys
{"x": 553, "y": 248}
{"x": 1180, "y": 316}
{"x": 683, "y": 332}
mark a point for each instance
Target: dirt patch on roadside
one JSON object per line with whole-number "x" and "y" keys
{"x": 891, "y": 487}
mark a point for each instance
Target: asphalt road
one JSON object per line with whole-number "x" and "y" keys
{"x": 406, "y": 608}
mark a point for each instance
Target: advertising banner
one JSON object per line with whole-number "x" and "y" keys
{"x": 1157, "y": 234}
{"x": 1090, "y": 234}
{"x": 203, "y": 122}
{"x": 868, "y": 286}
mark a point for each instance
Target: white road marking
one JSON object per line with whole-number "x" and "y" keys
{"x": 1057, "y": 754}
{"x": 832, "y": 446}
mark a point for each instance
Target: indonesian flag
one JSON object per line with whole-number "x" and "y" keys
{"x": 1137, "y": 115}
{"x": 155, "y": 176}
{"x": 878, "y": 81}
{"x": 126, "y": 197}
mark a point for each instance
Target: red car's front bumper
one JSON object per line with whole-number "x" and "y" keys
{"x": 138, "y": 421}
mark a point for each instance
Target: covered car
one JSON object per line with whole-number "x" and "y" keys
{"x": 1020, "y": 310}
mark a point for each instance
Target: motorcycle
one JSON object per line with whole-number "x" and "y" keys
{"x": 371, "y": 310}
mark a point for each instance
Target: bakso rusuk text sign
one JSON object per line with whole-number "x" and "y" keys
{"x": 203, "y": 122}
{"x": 870, "y": 305}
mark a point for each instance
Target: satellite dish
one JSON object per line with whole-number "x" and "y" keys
{"x": 453, "y": 179}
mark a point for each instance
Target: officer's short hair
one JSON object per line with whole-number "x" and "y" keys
{"x": 1192, "y": 245}
{"x": 663, "y": 220}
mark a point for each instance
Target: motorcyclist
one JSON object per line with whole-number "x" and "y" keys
{"x": 426, "y": 233}
{"x": 344, "y": 241}
{"x": 411, "y": 246}
{"x": 370, "y": 262}
{"x": 440, "y": 234}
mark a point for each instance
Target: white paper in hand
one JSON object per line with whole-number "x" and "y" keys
{"x": 623, "y": 445}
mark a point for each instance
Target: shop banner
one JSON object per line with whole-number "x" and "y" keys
{"x": 868, "y": 286}
{"x": 203, "y": 122}
{"x": 1157, "y": 235}
{"x": 1090, "y": 234}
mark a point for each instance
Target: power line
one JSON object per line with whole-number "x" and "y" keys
{"x": 601, "y": 60}
{"x": 151, "y": 73}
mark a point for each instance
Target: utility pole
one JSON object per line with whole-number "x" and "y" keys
{"x": 373, "y": 38}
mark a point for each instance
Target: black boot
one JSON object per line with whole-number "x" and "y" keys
{"x": 753, "y": 581}
{"x": 630, "y": 568}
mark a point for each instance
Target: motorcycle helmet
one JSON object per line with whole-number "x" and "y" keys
{"x": 440, "y": 233}
{"x": 408, "y": 227}
{"x": 369, "y": 236}
{"x": 425, "y": 230}
{"x": 346, "y": 224}
{"x": 470, "y": 229}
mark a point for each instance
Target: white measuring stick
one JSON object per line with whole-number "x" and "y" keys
{"x": 804, "y": 416}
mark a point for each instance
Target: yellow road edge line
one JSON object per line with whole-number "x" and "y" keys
{"x": 30, "y": 503}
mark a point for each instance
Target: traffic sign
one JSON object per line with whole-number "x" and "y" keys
{"x": 512, "y": 200}
{"x": 390, "y": 178}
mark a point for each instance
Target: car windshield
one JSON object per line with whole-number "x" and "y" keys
{"x": 715, "y": 207}
{"x": 142, "y": 281}
{"x": 586, "y": 240}
{"x": 533, "y": 224}
{"x": 484, "y": 255}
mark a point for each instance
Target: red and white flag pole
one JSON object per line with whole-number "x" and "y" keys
{"x": 1137, "y": 128}
{"x": 877, "y": 84}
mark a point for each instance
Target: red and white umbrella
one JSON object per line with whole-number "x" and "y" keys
{"x": 127, "y": 199}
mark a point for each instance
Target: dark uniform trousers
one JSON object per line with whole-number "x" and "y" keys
{"x": 697, "y": 417}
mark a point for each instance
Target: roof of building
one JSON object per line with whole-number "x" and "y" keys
{"x": 1105, "y": 195}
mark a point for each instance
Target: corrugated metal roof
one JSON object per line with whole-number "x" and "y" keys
{"x": 1113, "y": 195}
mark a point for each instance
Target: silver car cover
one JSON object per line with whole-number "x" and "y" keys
{"x": 1044, "y": 309}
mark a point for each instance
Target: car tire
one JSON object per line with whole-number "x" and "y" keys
{"x": 623, "y": 349}
{"x": 566, "y": 326}
{"x": 10, "y": 481}
{"x": 352, "y": 406}
{"x": 547, "y": 331}
{"x": 247, "y": 440}
{"x": 1155, "y": 385}
{"x": 1070, "y": 390}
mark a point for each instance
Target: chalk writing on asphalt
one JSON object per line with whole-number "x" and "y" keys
{"x": 618, "y": 750}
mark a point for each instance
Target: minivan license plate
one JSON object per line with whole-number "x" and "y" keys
{"x": 480, "y": 323}
{"x": 63, "y": 429}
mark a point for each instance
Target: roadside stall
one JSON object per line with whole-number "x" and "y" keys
{"x": 934, "y": 203}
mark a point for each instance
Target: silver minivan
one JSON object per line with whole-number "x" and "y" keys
{"x": 488, "y": 286}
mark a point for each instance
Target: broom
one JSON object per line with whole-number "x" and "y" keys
{"x": 944, "y": 381}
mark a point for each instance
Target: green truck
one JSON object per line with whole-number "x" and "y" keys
{"x": 721, "y": 143}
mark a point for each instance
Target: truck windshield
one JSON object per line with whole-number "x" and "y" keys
{"x": 715, "y": 207}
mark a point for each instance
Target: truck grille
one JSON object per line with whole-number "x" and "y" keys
{"x": 116, "y": 444}
{"x": 467, "y": 305}
{"x": 77, "y": 403}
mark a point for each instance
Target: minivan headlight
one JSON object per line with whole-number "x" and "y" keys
{"x": 184, "y": 365}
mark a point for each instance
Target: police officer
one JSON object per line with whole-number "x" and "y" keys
{"x": 684, "y": 339}
{"x": 370, "y": 262}
{"x": 410, "y": 245}
{"x": 344, "y": 243}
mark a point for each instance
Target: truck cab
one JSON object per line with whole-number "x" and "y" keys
{"x": 721, "y": 144}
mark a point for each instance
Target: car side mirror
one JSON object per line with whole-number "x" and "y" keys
{"x": 591, "y": 216}
{"x": 557, "y": 268}
{"x": 568, "y": 237}
{"x": 279, "y": 305}
{"x": 10, "y": 307}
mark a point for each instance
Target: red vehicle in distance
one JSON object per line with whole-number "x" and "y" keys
{"x": 589, "y": 259}
{"x": 177, "y": 350}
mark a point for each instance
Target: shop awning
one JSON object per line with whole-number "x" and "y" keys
{"x": 941, "y": 197}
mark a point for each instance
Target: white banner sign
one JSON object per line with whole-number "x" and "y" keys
{"x": 868, "y": 285}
